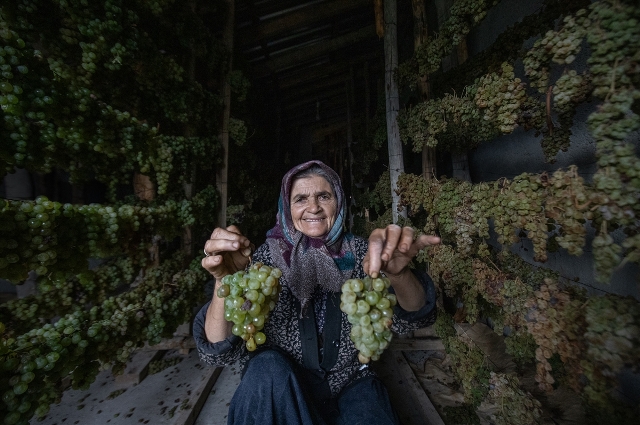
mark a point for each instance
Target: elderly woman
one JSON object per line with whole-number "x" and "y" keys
{"x": 308, "y": 371}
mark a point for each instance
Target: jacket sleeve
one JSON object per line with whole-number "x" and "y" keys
{"x": 405, "y": 321}
{"x": 221, "y": 353}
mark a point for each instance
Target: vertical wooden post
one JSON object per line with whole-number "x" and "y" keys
{"x": 187, "y": 187}
{"x": 420, "y": 37}
{"x": 396, "y": 159}
{"x": 222, "y": 171}
{"x": 349, "y": 94}
{"x": 367, "y": 99}
{"x": 460, "y": 161}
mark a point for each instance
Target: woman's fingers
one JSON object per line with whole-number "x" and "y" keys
{"x": 406, "y": 240}
{"x": 424, "y": 241}
{"x": 372, "y": 261}
{"x": 212, "y": 264}
{"x": 228, "y": 240}
{"x": 392, "y": 235}
{"x": 392, "y": 248}
{"x": 227, "y": 251}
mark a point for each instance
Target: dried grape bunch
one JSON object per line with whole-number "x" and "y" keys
{"x": 613, "y": 342}
{"x": 570, "y": 89}
{"x": 464, "y": 15}
{"x": 500, "y": 97}
{"x": 450, "y": 271}
{"x": 568, "y": 209}
{"x": 369, "y": 309}
{"x": 517, "y": 407}
{"x": 469, "y": 364}
{"x": 560, "y": 46}
{"x": 249, "y": 298}
{"x": 555, "y": 321}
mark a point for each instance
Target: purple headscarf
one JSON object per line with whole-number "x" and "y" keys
{"x": 308, "y": 262}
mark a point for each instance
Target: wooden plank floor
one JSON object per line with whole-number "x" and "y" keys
{"x": 407, "y": 396}
{"x": 172, "y": 397}
{"x": 193, "y": 393}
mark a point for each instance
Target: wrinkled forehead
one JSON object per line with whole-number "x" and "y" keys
{"x": 311, "y": 184}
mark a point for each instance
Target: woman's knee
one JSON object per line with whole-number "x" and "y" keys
{"x": 270, "y": 363}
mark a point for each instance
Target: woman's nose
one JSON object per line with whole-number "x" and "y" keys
{"x": 314, "y": 205}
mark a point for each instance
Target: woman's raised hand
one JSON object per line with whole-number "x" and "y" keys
{"x": 391, "y": 249}
{"x": 228, "y": 251}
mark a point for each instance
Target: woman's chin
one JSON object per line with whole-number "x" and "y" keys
{"x": 314, "y": 231}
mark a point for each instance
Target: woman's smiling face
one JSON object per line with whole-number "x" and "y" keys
{"x": 313, "y": 206}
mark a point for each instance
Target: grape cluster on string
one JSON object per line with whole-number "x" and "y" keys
{"x": 249, "y": 297}
{"x": 553, "y": 210}
{"x": 31, "y": 232}
{"x": 81, "y": 343}
{"x": 489, "y": 107}
{"x": 464, "y": 15}
{"x": 555, "y": 323}
{"x": 516, "y": 406}
{"x": 94, "y": 111}
{"x": 612, "y": 338}
{"x": 369, "y": 308}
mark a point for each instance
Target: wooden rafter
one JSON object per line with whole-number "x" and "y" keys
{"x": 309, "y": 53}
{"x": 301, "y": 18}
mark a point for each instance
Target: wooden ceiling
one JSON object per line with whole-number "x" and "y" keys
{"x": 307, "y": 56}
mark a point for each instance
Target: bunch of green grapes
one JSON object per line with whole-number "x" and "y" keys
{"x": 369, "y": 308}
{"x": 249, "y": 298}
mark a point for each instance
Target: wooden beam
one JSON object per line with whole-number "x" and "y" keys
{"x": 308, "y": 53}
{"x": 327, "y": 96}
{"x": 334, "y": 67}
{"x": 319, "y": 132}
{"x": 300, "y": 18}
{"x": 321, "y": 85}
{"x": 308, "y": 118}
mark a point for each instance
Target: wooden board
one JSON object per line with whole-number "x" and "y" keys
{"x": 138, "y": 368}
{"x": 171, "y": 397}
{"x": 407, "y": 396}
{"x": 426, "y": 344}
{"x": 215, "y": 409}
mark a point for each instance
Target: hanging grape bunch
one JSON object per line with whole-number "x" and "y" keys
{"x": 249, "y": 298}
{"x": 369, "y": 308}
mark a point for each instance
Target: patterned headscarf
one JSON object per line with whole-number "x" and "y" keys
{"x": 308, "y": 262}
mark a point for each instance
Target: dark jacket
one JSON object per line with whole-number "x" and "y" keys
{"x": 337, "y": 360}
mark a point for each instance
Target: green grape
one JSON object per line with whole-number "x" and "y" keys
{"x": 367, "y": 304}
{"x": 245, "y": 306}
